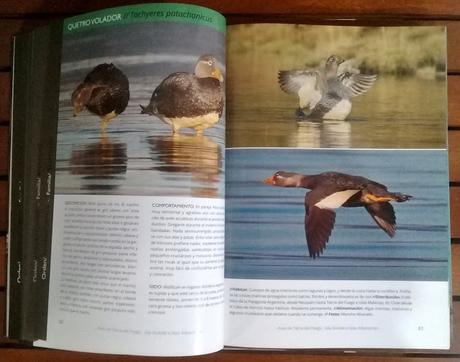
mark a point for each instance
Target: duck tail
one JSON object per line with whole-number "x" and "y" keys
{"x": 402, "y": 197}
{"x": 146, "y": 110}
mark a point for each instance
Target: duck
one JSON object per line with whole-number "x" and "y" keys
{"x": 326, "y": 92}
{"x": 331, "y": 190}
{"x": 190, "y": 100}
{"x": 103, "y": 92}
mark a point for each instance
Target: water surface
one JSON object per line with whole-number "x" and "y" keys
{"x": 265, "y": 235}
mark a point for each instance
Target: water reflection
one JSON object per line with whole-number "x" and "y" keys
{"x": 398, "y": 112}
{"x": 102, "y": 165}
{"x": 195, "y": 155}
{"x": 322, "y": 133}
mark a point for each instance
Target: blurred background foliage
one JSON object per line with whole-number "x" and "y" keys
{"x": 383, "y": 50}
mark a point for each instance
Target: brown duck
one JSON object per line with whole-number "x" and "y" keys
{"x": 190, "y": 100}
{"x": 104, "y": 92}
{"x": 331, "y": 190}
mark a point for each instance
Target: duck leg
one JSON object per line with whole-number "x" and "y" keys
{"x": 106, "y": 120}
{"x": 300, "y": 113}
{"x": 398, "y": 197}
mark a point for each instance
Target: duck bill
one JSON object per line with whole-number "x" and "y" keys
{"x": 216, "y": 73}
{"x": 76, "y": 109}
{"x": 268, "y": 180}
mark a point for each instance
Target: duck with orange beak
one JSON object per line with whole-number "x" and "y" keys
{"x": 190, "y": 100}
{"x": 331, "y": 190}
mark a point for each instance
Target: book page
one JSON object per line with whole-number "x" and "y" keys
{"x": 337, "y": 206}
{"x": 138, "y": 232}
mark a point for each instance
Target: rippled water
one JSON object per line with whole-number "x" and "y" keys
{"x": 138, "y": 154}
{"x": 265, "y": 235}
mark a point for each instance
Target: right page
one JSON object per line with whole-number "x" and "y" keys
{"x": 337, "y": 204}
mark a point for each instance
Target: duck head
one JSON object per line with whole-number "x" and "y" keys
{"x": 332, "y": 64}
{"x": 286, "y": 179}
{"x": 206, "y": 67}
{"x": 80, "y": 97}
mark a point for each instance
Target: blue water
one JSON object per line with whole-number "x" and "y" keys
{"x": 265, "y": 235}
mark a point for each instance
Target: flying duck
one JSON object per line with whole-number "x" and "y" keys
{"x": 326, "y": 92}
{"x": 104, "y": 92}
{"x": 331, "y": 190}
{"x": 190, "y": 100}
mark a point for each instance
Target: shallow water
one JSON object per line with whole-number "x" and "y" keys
{"x": 265, "y": 235}
{"x": 138, "y": 154}
{"x": 397, "y": 112}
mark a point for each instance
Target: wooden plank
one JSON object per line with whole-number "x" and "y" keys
{"x": 349, "y": 8}
{"x": 454, "y": 153}
{"x": 456, "y": 269}
{"x": 3, "y": 206}
{"x": 455, "y": 212}
{"x": 2, "y": 262}
{"x": 453, "y": 97}
{"x": 4, "y": 150}
{"x": 453, "y": 46}
{"x": 2, "y": 314}
{"x": 5, "y": 86}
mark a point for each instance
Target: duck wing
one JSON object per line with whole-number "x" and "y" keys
{"x": 355, "y": 84}
{"x": 108, "y": 98}
{"x": 320, "y": 216}
{"x": 318, "y": 227}
{"x": 184, "y": 95}
{"x": 384, "y": 215}
{"x": 307, "y": 84}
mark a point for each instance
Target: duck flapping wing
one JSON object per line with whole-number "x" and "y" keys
{"x": 309, "y": 85}
{"x": 355, "y": 84}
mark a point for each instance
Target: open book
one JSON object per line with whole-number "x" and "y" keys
{"x": 178, "y": 186}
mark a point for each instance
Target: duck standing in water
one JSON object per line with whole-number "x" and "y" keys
{"x": 186, "y": 100}
{"x": 331, "y": 190}
{"x": 325, "y": 93}
{"x": 104, "y": 92}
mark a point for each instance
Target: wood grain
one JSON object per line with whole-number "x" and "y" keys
{"x": 453, "y": 96}
{"x": 3, "y": 206}
{"x": 4, "y": 150}
{"x": 5, "y": 86}
{"x": 454, "y": 162}
{"x": 453, "y": 46}
{"x": 426, "y": 9}
{"x": 2, "y": 265}
{"x": 2, "y": 315}
{"x": 455, "y": 211}
{"x": 456, "y": 270}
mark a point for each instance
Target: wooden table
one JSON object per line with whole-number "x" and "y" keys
{"x": 17, "y": 16}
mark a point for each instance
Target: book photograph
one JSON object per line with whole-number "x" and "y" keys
{"x": 369, "y": 215}
{"x": 128, "y": 123}
{"x": 336, "y": 86}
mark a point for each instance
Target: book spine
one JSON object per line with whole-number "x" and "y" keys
{"x": 18, "y": 142}
{"x": 20, "y": 183}
{"x": 35, "y": 116}
{"x": 49, "y": 108}
{"x": 31, "y": 195}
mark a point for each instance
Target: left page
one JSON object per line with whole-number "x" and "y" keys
{"x": 138, "y": 226}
